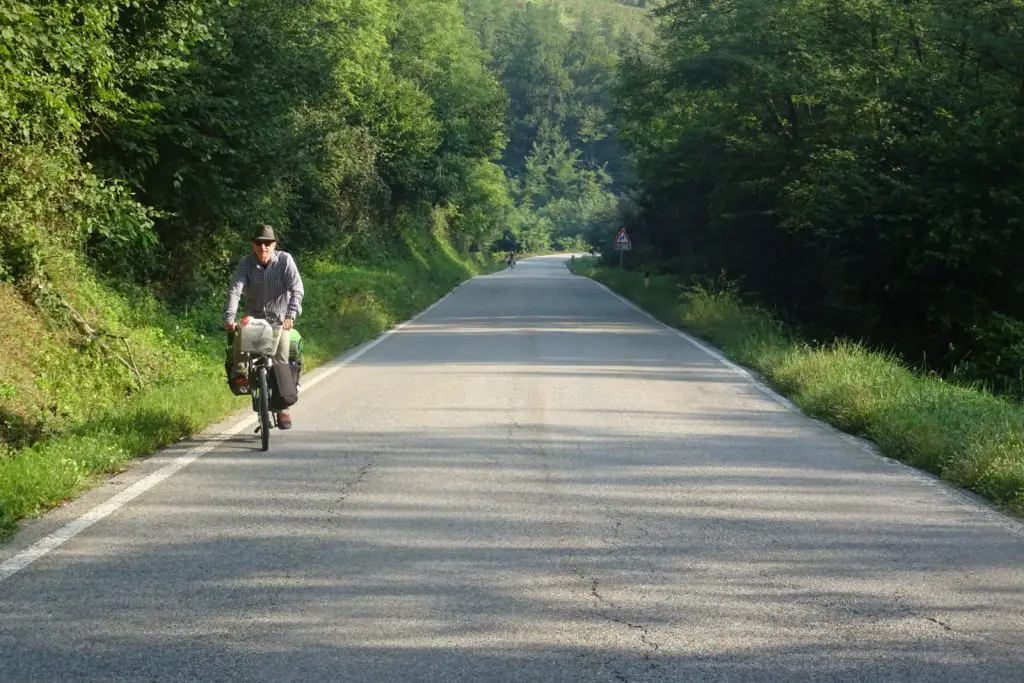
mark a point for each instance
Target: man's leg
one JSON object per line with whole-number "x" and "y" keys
{"x": 284, "y": 420}
{"x": 283, "y": 346}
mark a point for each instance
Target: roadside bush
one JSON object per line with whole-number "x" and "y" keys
{"x": 996, "y": 355}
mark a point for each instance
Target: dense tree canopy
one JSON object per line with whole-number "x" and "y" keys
{"x": 137, "y": 129}
{"x": 567, "y": 173}
{"x": 858, "y": 163}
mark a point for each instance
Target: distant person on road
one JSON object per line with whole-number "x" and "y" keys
{"x": 511, "y": 259}
{"x": 273, "y": 292}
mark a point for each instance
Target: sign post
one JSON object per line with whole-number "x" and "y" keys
{"x": 622, "y": 243}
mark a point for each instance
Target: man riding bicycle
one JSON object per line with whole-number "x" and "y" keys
{"x": 273, "y": 292}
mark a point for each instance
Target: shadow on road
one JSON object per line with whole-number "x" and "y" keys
{"x": 607, "y": 526}
{"x": 507, "y": 558}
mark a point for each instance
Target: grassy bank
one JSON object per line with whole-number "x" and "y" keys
{"x": 71, "y": 411}
{"x": 967, "y": 436}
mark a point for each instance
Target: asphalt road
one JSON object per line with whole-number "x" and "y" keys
{"x": 531, "y": 482}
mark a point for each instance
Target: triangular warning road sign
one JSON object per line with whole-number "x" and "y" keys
{"x": 622, "y": 237}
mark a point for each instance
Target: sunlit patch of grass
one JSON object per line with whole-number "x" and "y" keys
{"x": 38, "y": 477}
{"x": 967, "y": 436}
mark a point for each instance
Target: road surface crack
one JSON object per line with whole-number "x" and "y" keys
{"x": 940, "y": 623}
{"x": 604, "y": 611}
{"x": 348, "y": 486}
{"x": 912, "y": 612}
{"x": 358, "y": 479}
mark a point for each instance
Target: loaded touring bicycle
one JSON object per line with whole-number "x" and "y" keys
{"x": 272, "y": 386}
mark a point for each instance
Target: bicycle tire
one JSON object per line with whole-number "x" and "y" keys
{"x": 264, "y": 409}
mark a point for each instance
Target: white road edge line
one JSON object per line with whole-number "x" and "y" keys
{"x": 47, "y": 544}
{"x": 971, "y": 500}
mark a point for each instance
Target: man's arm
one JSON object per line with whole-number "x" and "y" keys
{"x": 293, "y": 281}
{"x": 235, "y": 287}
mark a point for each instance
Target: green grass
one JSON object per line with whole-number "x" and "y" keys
{"x": 81, "y": 414}
{"x": 967, "y": 436}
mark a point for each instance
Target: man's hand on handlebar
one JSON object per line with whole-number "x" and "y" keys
{"x": 288, "y": 324}
{"x": 230, "y": 327}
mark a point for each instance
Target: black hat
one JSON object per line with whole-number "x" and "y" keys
{"x": 265, "y": 234}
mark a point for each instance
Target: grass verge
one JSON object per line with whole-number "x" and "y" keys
{"x": 91, "y": 419}
{"x": 967, "y": 436}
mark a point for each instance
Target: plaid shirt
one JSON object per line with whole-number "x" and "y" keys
{"x": 273, "y": 292}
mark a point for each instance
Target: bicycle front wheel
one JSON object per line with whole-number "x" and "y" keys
{"x": 264, "y": 409}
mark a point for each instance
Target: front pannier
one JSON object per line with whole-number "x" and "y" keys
{"x": 283, "y": 391}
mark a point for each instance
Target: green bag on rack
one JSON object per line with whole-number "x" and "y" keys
{"x": 296, "y": 344}
{"x": 295, "y": 354}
